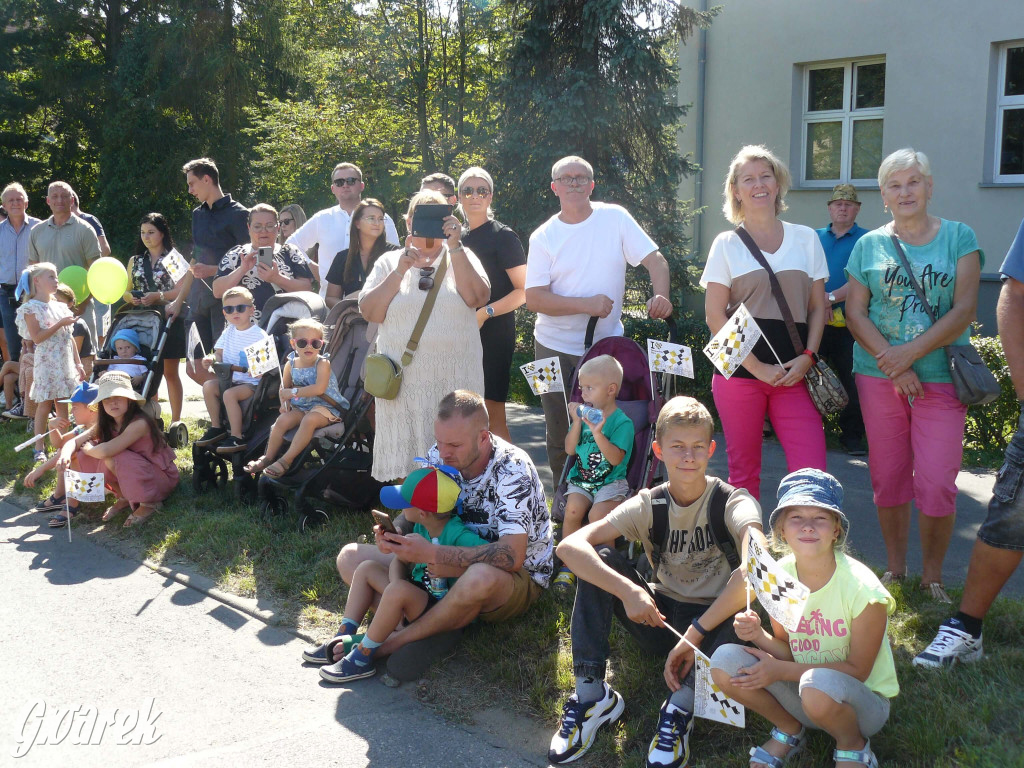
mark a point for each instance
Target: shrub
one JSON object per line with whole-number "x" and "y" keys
{"x": 990, "y": 427}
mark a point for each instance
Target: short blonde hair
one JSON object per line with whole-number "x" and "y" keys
{"x": 261, "y": 208}
{"x": 556, "y": 169}
{"x": 428, "y": 196}
{"x": 605, "y": 367}
{"x": 238, "y": 291}
{"x": 732, "y": 208}
{"x": 683, "y": 411}
{"x": 901, "y": 160}
{"x": 306, "y": 324}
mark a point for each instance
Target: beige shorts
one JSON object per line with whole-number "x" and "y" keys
{"x": 323, "y": 410}
{"x": 525, "y": 592}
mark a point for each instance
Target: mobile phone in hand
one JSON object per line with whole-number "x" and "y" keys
{"x": 382, "y": 519}
{"x": 265, "y": 255}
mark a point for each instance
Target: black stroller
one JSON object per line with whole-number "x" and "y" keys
{"x": 210, "y": 469}
{"x": 152, "y": 330}
{"x": 335, "y": 466}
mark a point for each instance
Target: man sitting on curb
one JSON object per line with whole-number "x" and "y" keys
{"x": 692, "y": 529}
{"x": 503, "y": 502}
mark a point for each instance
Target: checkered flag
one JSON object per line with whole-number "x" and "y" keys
{"x": 84, "y": 486}
{"x": 544, "y": 376}
{"x": 175, "y": 264}
{"x": 261, "y": 356}
{"x": 781, "y": 595}
{"x": 709, "y": 701}
{"x": 733, "y": 342}
{"x": 666, "y": 357}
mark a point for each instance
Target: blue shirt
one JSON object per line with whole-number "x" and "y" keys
{"x": 14, "y": 249}
{"x": 837, "y": 254}
{"x": 1013, "y": 264}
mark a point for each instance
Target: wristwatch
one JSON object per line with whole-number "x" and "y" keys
{"x": 832, "y": 298}
{"x": 295, "y": 391}
{"x": 489, "y": 310}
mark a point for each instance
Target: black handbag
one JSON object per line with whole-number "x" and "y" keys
{"x": 973, "y": 381}
{"x": 823, "y": 385}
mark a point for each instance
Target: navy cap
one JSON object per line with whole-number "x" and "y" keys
{"x": 812, "y": 488}
{"x": 85, "y": 393}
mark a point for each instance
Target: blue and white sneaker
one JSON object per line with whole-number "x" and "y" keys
{"x": 949, "y": 646}
{"x": 579, "y": 725}
{"x": 670, "y": 747}
{"x": 346, "y": 670}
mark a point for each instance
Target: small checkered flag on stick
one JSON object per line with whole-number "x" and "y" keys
{"x": 175, "y": 264}
{"x": 666, "y": 357}
{"x": 734, "y": 341}
{"x": 544, "y": 376}
{"x": 781, "y": 594}
{"x": 84, "y": 486}
{"x": 709, "y": 701}
{"x": 262, "y": 356}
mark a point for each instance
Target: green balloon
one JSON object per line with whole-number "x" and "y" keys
{"x": 108, "y": 279}
{"x": 77, "y": 279}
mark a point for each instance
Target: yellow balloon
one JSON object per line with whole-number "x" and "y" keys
{"x": 107, "y": 279}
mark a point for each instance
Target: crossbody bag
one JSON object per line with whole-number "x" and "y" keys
{"x": 383, "y": 377}
{"x": 973, "y": 381}
{"x": 826, "y": 391}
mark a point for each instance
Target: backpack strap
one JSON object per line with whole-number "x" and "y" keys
{"x": 659, "y": 526}
{"x": 716, "y": 517}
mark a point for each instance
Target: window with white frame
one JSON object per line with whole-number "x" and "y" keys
{"x": 842, "y": 117}
{"x": 1009, "y": 155}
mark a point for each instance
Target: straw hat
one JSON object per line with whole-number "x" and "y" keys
{"x": 115, "y": 384}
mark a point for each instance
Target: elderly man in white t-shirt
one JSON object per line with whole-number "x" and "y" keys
{"x": 575, "y": 270}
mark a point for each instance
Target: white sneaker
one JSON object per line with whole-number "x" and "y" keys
{"x": 579, "y": 726}
{"x": 949, "y": 646}
{"x": 670, "y": 747}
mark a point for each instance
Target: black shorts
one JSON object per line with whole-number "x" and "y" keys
{"x": 498, "y": 337}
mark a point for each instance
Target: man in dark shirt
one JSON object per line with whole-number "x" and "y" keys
{"x": 218, "y": 225}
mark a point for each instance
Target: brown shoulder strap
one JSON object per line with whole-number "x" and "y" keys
{"x": 428, "y": 306}
{"x": 780, "y": 297}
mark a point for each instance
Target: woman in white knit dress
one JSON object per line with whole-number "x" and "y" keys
{"x": 449, "y": 355}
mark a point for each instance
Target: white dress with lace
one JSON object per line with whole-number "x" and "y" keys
{"x": 449, "y": 357}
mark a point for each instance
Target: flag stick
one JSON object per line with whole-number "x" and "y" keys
{"x": 675, "y": 632}
{"x": 67, "y": 507}
{"x": 772, "y": 349}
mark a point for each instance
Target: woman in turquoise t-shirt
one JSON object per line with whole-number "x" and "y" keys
{"x": 915, "y": 423}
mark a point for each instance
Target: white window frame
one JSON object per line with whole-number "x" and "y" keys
{"x": 1003, "y": 103}
{"x": 847, "y": 116}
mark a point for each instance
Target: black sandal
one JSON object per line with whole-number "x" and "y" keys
{"x": 52, "y": 504}
{"x": 59, "y": 521}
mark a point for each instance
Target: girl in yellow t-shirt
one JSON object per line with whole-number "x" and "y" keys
{"x": 836, "y": 671}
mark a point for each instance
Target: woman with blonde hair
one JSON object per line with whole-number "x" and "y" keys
{"x": 737, "y": 271}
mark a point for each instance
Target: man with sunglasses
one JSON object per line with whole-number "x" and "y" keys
{"x": 329, "y": 228}
{"x": 443, "y": 183}
{"x": 576, "y": 270}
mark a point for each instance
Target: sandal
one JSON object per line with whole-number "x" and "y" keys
{"x": 861, "y": 757}
{"x": 59, "y": 521}
{"x": 52, "y": 504}
{"x": 893, "y": 578}
{"x": 135, "y": 519}
{"x": 115, "y": 509}
{"x": 794, "y": 742}
{"x": 284, "y": 467}
{"x": 256, "y": 466}
{"x": 936, "y": 592}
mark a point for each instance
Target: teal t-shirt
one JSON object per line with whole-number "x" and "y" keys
{"x": 894, "y": 307}
{"x": 454, "y": 534}
{"x": 593, "y": 470}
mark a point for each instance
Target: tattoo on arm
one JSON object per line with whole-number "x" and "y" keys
{"x": 497, "y": 554}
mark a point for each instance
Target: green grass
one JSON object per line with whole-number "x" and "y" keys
{"x": 972, "y": 716}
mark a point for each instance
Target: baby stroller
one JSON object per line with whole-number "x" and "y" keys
{"x": 152, "y": 330}
{"x": 335, "y": 466}
{"x": 259, "y": 412}
{"x": 640, "y": 398}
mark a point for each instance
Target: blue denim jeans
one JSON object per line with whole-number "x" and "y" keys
{"x": 592, "y": 622}
{"x": 8, "y": 310}
{"x": 1004, "y": 526}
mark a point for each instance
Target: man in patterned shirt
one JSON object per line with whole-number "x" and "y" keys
{"x": 503, "y": 501}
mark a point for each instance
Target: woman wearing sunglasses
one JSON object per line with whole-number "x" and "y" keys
{"x": 367, "y": 240}
{"x": 502, "y": 255}
{"x": 448, "y": 356}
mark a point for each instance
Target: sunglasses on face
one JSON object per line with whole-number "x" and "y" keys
{"x": 303, "y": 343}
{"x": 239, "y": 308}
{"x": 475, "y": 191}
{"x": 286, "y": 222}
{"x": 350, "y": 180}
{"x": 426, "y": 278}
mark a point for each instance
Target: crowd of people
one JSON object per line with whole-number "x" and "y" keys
{"x": 474, "y": 538}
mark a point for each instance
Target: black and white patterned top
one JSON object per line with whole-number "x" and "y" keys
{"x": 508, "y": 498}
{"x": 161, "y": 281}
{"x": 291, "y": 263}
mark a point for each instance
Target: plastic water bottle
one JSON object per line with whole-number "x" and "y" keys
{"x": 590, "y": 413}
{"x": 438, "y": 585}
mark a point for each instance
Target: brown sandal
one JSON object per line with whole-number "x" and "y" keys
{"x": 115, "y": 509}
{"x": 284, "y": 467}
{"x": 135, "y": 519}
{"x": 256, "y": 466}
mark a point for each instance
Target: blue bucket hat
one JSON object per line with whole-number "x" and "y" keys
{"x": 812, "y": 488}
{"x": 85, "y": 394}
{"x": 129, "y": 335}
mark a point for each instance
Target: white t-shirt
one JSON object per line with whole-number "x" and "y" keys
{"x": 580, "y": 260}
{"x": 329, "y": 228}
{"x": 232, "y": 342}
